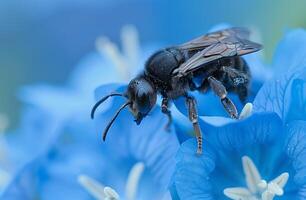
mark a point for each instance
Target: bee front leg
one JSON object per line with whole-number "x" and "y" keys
{"x": 220, "y": 90}
{"x": 165, "y": 110}
{"x": 193, "y": 117}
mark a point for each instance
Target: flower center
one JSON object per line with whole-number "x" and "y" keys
{"x": 257, "y": 188}
{"x": 99, "y": 191}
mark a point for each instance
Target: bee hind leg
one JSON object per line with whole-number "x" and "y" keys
{"x": 165, "y": 110}
{"x": 220, "y": 91}
{"x": 238, "y": 78}
{"x": 193, "y": 117}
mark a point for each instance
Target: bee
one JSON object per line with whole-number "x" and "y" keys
{"x": 214, "y": 59}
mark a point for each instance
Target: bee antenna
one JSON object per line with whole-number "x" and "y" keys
{"x": 94, "y": 108}
{"x": 114, "y": 118}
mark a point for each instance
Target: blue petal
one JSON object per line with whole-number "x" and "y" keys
{"x": 154, "y": 145}
{"x": 258, "y": 128}
{"x": 93, "y": 70}
{"x": 60, "y": 102}
{"x": 296, "y": 150}
{"x": 191, "y": 177}
{"x": 291, "y": 52}
{"x": 284, "y": 95}
{"x": 75, "y": 152}
{"x": 22, "y": 186}
{"x": 36, "y": 132}
{"x": 149, "y": 142}
{"x": 259, "y": 136}
{"x": 183, "y": 127}
{"x": 297, "y": 104}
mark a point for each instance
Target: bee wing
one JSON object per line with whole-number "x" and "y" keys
{"x": 214, "y": 37}
{"x": 226, "y": 43}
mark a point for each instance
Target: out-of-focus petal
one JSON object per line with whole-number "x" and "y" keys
{"x": 93, "y": 70}
{"x": 290, "y": 54}
{"x": 59, "y": 102}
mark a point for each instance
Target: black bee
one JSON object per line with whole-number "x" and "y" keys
{"x": 171, "y": 72}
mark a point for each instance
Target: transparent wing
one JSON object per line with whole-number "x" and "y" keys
{"x": 213, "y": 46}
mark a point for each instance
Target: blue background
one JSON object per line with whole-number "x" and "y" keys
{"x": 41, "y": 41}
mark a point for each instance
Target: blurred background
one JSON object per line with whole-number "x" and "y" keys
{"x": 41, "y": 41}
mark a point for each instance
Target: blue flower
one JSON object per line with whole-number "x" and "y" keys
{"x": 276, "y": 150}
{"x": 58, "y": 144}
{"x": 149, "y": 142}
{"x": 285, "y": 94}
{"x": 262, "y": 156}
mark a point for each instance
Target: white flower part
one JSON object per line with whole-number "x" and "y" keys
{"x": 133, "y": 180}
{"x": 109, "y": 49}
{"x": 237, "y": 193}
{"x": 130, "y": 44}
{"x": 97, "y": 189}
{"x": 246, "y": 111}
{"x": 257, "y": 188}
{"x": 252, "y": 176}
{"x": 126, "y": 60}
{"x": 100, "y": 192}
{"x": 110, "y": 194}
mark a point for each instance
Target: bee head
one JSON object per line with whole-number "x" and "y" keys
{"x": 141, "y": 98}
{"x": 142, "y": 95}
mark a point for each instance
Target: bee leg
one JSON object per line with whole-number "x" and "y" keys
{"x": 240, "y": 79}
{"x": 193, "y": 117}
{"x": 203, "y": 87}
{"x": 243, "y": 93}
{"x": 165, "y": 110}
{"x": 239, "y": 82}
{"x": 220, "y": 90}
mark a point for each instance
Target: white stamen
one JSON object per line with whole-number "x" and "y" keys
{"x": 246, "y": 111}
{"x": 237, "y": 193}
{"x": 109, "y": 49}
{"x": 281, "y": 180}
{"x": 127, "y": 59}
{"x": 110, "y": 194}
{"x": 273, "y": 188}
{"x": 133, "y": 180}
{"x": 262, "y": 185}
{"x": 252, "y": 175}
{"x": 267, "y": 196}
{"x": 130, "y": 44}
{"x": 100, "y": 192}
{"x": 92, "y": 186}
{"x": 257, "y": 187}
